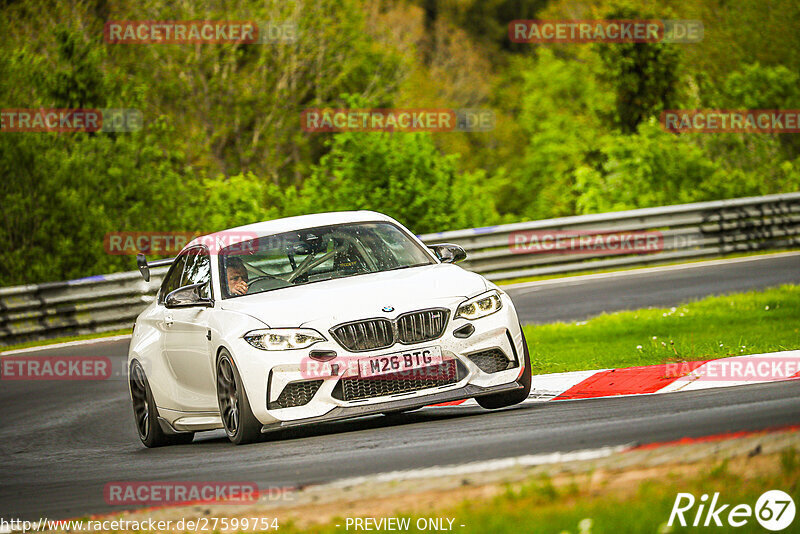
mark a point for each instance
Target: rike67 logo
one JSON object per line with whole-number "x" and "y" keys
{"x": 774, "y": 510}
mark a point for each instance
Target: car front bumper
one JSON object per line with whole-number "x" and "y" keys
{"x": 266, "y": 374}
{"x": 346, "y": 412}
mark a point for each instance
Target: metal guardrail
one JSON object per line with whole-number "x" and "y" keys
{"x": 687, "y": 231}
{"x": 89, "y": 305}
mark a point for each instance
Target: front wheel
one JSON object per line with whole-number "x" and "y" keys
{"x": 240, "y": 424}
{"x": 502, "y": 400}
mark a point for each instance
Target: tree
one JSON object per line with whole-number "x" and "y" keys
{"x": 649, "y": 168}
{"x": 644, "y": 76}
{"x": 401, "y": 174}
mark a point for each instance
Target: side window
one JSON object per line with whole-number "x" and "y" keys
{"x": 173, "y": 279}
{"x": 198, "y": 270}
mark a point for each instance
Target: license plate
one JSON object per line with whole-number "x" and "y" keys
{"x": 399, "y": 362}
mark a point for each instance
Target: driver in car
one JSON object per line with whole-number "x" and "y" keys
{"x": 237, "y": 276}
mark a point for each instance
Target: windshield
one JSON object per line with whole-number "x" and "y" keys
{"x": 316, "y": 255}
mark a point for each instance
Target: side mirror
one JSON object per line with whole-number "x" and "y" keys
{"x": 448, "y": 252}
{"x": 188, "y": 296}
{"x": 144, "y": 265}
{"x": 141, "y": 262}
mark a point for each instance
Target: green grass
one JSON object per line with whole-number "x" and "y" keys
{"x": 715, "y": 327}
{"x": 537, "y": 506}
{"x": 44, "y": 342}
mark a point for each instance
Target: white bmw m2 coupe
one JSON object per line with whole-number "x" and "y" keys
{"x": 317, "y": 318}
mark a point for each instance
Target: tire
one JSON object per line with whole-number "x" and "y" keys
{"x": 145, "y": 413}
{"x": 240, "y": 424}
{"x": 510, "y": 398}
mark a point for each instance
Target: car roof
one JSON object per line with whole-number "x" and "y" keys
{"x": 238, "y": 234}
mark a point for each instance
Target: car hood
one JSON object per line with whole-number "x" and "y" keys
{"x": 332, "y": 302}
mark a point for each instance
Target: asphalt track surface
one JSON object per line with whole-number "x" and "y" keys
{"x": 61, "y": 442}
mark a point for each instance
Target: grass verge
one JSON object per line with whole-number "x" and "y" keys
{"x": 715, "y": 327}
{"x": 641, "y": 502}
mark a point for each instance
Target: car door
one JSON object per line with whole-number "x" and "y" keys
{"x": 187, "y": 341}
{"x": 162, "y": 317}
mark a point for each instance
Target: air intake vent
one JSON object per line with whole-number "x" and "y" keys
{"x": 365, "y": 335}
{"x": 350, "y": 389}
{"x": 296, "y": 394}
{"x": 409, "y": 328}
{"x": 492, "y": 361}
{"x": 417, "y": 327}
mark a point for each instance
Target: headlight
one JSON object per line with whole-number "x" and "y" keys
{"x": 283, "y": 338}
{"x": 480, "y": 306}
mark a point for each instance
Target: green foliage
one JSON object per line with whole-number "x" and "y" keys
{"x": 400, "y": 174}
{"x": 761, "y": 87}
{"x": 764, "y": 87}
{"x": 488, "y": 19}
{"x": 63, "y": 193}
{"x": 741, "y": 33}
{"x": 236, "y": 201}
{"x": 643, "y": 76}
{"x": 649, "y": 168}
{"x": 222, "y": 143}
{"x": 77, "y": 81}
{"x": 238, "y": 105}
{"x": 559, "y": 113}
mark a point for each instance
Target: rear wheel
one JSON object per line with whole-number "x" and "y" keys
{"x": 502, "y": 400}
{"x": 240, "y": 424}
{"x": 145, "y": 413}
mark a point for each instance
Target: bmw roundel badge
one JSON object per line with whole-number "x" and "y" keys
{"x": 388, "y": 309}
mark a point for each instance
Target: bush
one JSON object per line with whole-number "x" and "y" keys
{"x": 649, "y": 168}
{"x": 400, "y": 174}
